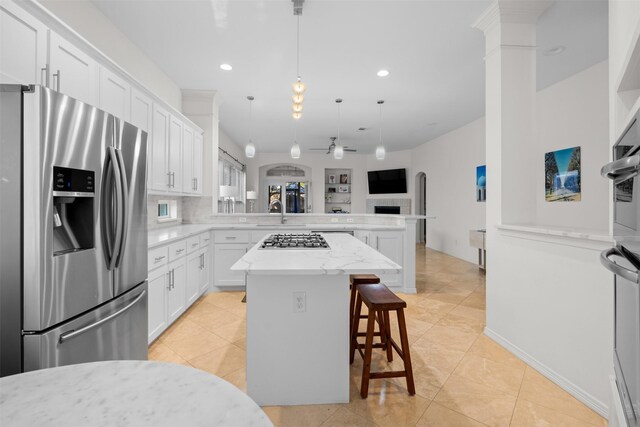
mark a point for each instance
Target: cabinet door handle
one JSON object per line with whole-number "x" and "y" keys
{"x": 57, "y": 81}
{"x": 45, "y": 77}
{"x": 196, "y": 184}
{"x": 173, "y": 278}
{"x": 169, "y": 179}
{"x": 173, "y": 180}
{"x": 169, "y": 279}
{"x": 377, "y": 241}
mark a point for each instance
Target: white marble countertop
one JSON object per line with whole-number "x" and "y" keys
{"x": 164, "y": 235}
{"x": 119, "y": 393}
{"x": 347, "y": 255}
{"x": 575, "y": 233}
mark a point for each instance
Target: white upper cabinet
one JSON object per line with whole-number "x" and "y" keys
{"x": 159, "y": 178}
{"x": 198, "y": 158}
{"x": 141, "y": 112}
{"x": 175, "y": 154}
{"x": 23, "y": 47}
{"x": 188, "y": 179}
{"x": 115, "y": 95}
{"x": 73, "y": 72}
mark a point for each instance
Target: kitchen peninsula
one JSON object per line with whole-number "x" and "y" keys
{"x": 298, "y": 318}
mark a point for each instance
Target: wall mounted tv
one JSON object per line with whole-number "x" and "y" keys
{"x": 387, "y": 181}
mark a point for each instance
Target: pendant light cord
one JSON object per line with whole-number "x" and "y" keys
{"x": 298, "y": 47}
{"x": 250, "y": 120}
{"x": 380, "y": 128}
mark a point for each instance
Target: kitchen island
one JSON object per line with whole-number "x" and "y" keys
{"x": 298, "y": 318}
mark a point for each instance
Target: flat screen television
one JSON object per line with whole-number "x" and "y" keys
{"x": 387, "y": 181}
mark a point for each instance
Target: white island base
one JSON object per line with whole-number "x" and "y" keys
{"x": 297, "y": 357}
{"x": 298, "y": 319}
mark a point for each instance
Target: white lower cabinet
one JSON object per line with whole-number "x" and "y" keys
{"x": 205, "y": 272}
{"x": 179, "y": 274}
{"x": 389, "y": 244}
{"x": 157, "y": 291}
{"x": 225, "y": 255}
{"x": 176, "y": 298}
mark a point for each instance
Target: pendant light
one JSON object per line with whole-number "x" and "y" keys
{"x": 298, "y": 87}
{"x": 295, "y": 148}
{"x": 338, "y": 151}
{"x": 250, "y": 149}
{"x": 380, "y": 151}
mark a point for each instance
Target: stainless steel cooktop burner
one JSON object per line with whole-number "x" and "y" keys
{"x": 295, "y": 241}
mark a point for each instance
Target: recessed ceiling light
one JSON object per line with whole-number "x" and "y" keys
{"x": 226, "y": 67}
{"x": 432, "y": 124}
{"x": 556, "y": 50}
{"x": 383, "y": 73}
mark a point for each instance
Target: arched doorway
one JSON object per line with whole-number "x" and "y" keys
{"x": 421, "y": 207}
{"x": 288, "y": 183}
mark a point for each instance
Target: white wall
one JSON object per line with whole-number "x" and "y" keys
{"x": 575, "y": 112}
{"x": 318, "y": 162}
{"x": 450, "y": 165}
{"x": 83, "y": 17}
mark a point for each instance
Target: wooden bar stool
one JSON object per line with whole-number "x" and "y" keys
{"x": 356, "y": 280}
{"x": 380, "y": 301}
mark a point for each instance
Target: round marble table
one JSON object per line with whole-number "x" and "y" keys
{"x": 124, "y": 393}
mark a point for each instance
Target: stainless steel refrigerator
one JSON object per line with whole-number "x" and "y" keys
{"x": 73, "y": 233}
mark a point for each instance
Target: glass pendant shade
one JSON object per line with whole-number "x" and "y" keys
{"x": 297, "y": 108}
{"x": 298, "y": 98}
{"x": 380, "y": 152}
{"x": 296, "y": 115}
{"x": 250, "y": 150}
{"x": 338, "y": 152}
{"x": 298, "y": 87}
{"x": 295, "y": 151}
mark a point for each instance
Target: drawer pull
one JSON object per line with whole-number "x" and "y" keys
{"x": 160, "y": 258}
{"x": 179, "y": 250}
{"x": 193, "y": 245}
{"x": 230, "y": 237}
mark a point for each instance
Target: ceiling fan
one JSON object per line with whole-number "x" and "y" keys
{"x": 332, "y": 147}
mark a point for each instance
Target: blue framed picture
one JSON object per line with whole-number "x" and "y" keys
{"x": 481, "y": 183}
{"x": 562, "y": 180}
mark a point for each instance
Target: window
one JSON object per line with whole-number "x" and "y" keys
{"x": 167, "y": 210}
{"x": 231, "y": 175}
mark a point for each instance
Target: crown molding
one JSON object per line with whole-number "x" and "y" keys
{"x": 511, "y": 11}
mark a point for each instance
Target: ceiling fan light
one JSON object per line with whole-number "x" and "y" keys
{"x": 380, "y": 152}
{"x": 297, "y": 108}
{"x": 296, "y": 115}
{"x": 298, "y": 98}
{"x": 250, "y": 150}
{"x": 338, "y": 152}
{"x": 298, "y": 87}
{"x": 295, "y": 151}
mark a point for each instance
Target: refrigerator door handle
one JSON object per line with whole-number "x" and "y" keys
{"x": 622, "y": 169}
{"x": 74, "y": 333}
{"x": 119, "y": 208}
{"x": 107, "y": 211}
{"x": 616, "y": 269}
{"x": 125, "y": 206}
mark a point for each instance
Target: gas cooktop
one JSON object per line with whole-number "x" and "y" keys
{"x": 295, "y": 241}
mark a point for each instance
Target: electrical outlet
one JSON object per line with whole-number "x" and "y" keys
{"x": 243, "y": 219}
{"x": 299, "y": 302}
{"x": 349, "y": 219}
{"x": 334, "y": 219}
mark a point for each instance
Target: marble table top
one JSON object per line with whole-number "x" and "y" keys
{"x": 347, "y": 255}
{"x": 124, "y": 393}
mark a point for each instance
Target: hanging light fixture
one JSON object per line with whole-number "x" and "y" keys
{"x": 250, "y": 149}
{"x": 298, "y": 87}
{"x": 295, "y": 148}
{"x": 380, "y": 151}
{"x": 338, "y": 151}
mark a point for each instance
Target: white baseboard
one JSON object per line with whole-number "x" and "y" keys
{"x": 577, "y": 392}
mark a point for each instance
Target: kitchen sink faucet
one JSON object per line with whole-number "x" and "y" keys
{"x": 277, "y": 201}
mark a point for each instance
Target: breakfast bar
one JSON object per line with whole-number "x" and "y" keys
{"x": 298, "y": 316}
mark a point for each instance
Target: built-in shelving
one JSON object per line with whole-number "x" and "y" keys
{"x": 337, "y": 190}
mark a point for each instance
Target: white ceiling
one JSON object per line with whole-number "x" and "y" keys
{"x": 434, "y": 56}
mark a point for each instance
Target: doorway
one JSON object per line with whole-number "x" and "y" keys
{"x": 421, "y": 207}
